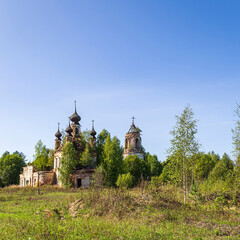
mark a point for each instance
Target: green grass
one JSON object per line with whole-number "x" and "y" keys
{"x": 139, "y": 213}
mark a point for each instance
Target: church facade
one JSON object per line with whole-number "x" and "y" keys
{"x": 83, "y": 174}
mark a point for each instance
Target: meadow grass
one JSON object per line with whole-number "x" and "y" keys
{"x": 108, "y": 213}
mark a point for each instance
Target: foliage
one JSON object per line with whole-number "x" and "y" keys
{"x": 155, "y": 166}
{"x": 86, "y": 135}
{"x": 156, "y": 181}
{"x": 51, "y": 158}
{"x": 42, "y": 160}
{"x": 86, "y": 159}
{"x": 125, "y": 180}
{"x": 64, "y": 134}
{"x": 110, "y": 213}
{"x": 112, "y": 160}
{"x": 137, "y": 167}
{"x": 68, "y": 164}
{"x": 11, "y": 165}
{"x": 205, "y": 164}
{"x": 223, "y": 169}
{"x": 101, "y": 139}
{"x": 236, "y": 135}
{"x": 184, "y": 146}
{"x": 171, "y": 172}
{"x": 98, "y": 177}
{"x": 20, "y": 154}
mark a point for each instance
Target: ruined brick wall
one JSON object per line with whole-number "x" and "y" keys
{"x": 47, "y": 178}
{"x": 82, "y": 177}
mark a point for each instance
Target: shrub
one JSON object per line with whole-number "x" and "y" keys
{"x": 156, "y": 181}
{"x": 98, "y": 177}
{"x": 125, "y": 180}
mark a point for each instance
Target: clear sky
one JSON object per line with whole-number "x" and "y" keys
{"x": 118, "y": 59}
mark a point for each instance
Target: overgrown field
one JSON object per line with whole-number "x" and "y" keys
{"x": 140, "y": 213}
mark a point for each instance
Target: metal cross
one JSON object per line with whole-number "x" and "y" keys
{"x": 75, "y": 105}
{"x": 133, "y": 119}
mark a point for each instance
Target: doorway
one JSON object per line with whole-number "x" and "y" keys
{"x": 79, "y": 182}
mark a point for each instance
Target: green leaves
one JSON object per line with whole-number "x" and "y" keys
{"x": 112, "y": 160}
{"x": 11, "y": 165}
{"x": 236, "y": 135}
{"x": 69, "y": 162}
{"x": 184, "y": 146}
{"x": 222, "y": 170}
{"x": 125, "y": 181}
{"x": 86, "y": 158}
{"x": 42, "y": 160}
{"x": 137, "y": 167}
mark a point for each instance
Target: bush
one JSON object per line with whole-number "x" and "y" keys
{"x": 156, "y": 181}
{"x": 98, "y": 177}
{"x": 125, "y": 180}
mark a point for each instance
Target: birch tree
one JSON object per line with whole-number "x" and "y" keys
{"x": 236, "y": 135}
{"x": 184, "y": 146}
{"x": 236, "y": 145}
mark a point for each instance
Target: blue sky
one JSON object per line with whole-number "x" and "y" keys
{"x": 118, "y": 59}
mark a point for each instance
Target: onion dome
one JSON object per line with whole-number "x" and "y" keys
{"x": 93, "y": 132}
{"x": 58, "y": 134}
{"x": 75, "y": 117}
{"x": 69, "y": 130}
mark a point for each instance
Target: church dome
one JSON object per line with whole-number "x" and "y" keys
{"x": 93, "y": 132}
{"x": 69, "y": 129}
{"x": 75, "y": 117}
{"x": 58, "y": 134}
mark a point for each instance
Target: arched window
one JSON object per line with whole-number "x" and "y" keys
{"x": 126, "y": 143}
{"x": 136, "y": 143}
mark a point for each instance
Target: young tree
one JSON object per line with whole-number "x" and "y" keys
{"x": 125, "y": 181}
{"x": 137, "y": 167}
{"x": 184, "y": 145}
{"x": 11, "y": 166}
{"x": 41, "y": 157}
{"x": 155, "y": 166}
{"x": 101, "y": 139}
{"x": 112, "y": 160}
{"x": 68, "y": 164}
{"x": 236, "y": 135}
{"x": 205, "y": 164}
{"x": 86, "y": 135}
{"x": 172, "y": 171}
{"x": 222, "y": 170}
{"x": 86, "y": 158}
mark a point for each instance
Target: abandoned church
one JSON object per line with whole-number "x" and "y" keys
{"x": 82, "y": 175}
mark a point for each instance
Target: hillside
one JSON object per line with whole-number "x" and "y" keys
{"x": 140, "y": 213}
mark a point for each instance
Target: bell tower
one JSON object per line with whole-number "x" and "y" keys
{"x": 58, "y": 139}
{"x": 133, "y": 142}
{"x": 75, "y": 126}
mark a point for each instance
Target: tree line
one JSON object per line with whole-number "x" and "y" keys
{"x": 185, "y": 165}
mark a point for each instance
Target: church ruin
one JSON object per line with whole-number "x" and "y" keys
{"x": 133, "y": 142}
{"x": 83, "y": 174}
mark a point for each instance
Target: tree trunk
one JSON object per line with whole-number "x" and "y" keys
{"x": 184, "y": 182}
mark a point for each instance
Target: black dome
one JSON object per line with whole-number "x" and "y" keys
{"x": 58, "y": 134}
{"x": 69, "y": 129}
{"x": 93, "y": 132}
{"x": 75, "y": 117}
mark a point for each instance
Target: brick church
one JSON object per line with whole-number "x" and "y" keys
{"x": 82, "y": 176}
